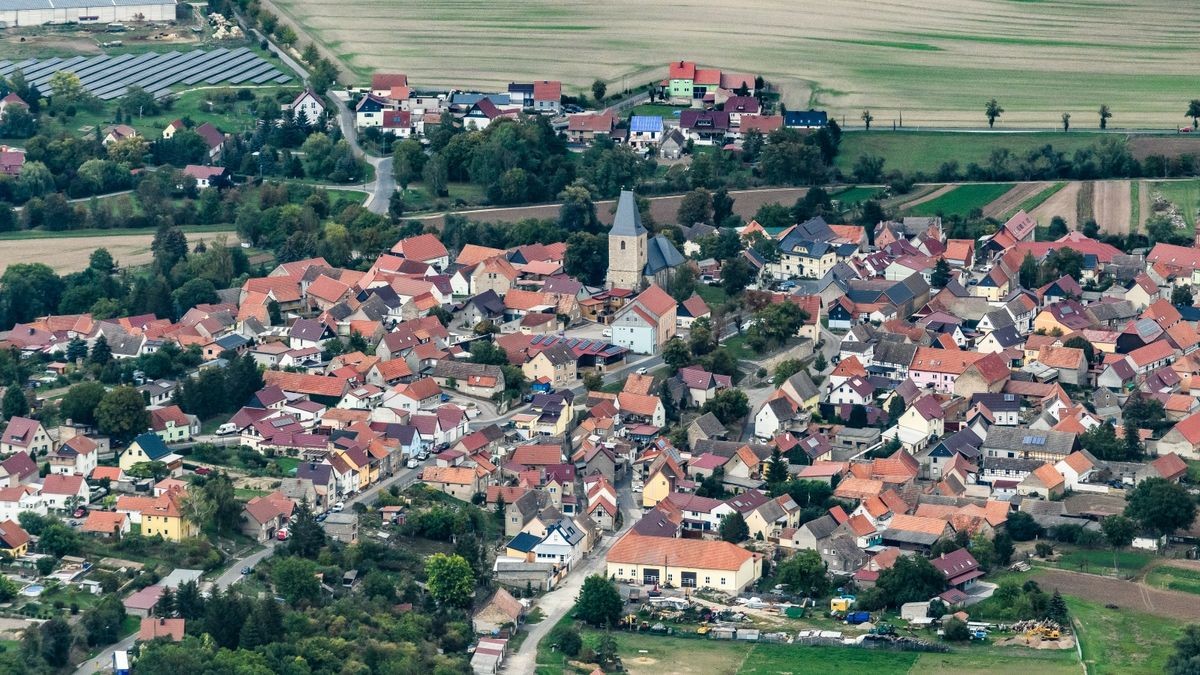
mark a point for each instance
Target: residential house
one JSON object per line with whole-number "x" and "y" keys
{"x": 684, "y": 563}
{"x": 65, "y": 492}
{"x": 149, "y": 447}
{"x": 646, "y": 324}
{"x": 25, "y": 435}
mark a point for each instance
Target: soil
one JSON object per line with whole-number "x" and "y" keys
{"x": 70, "y": 254}
{"x": 1112, "y": 206}
{"x": 1168, "y": 146}
{"x": 1067, "y": 642}
{"x": 1124, "y": 594}
{"x": 1061, "y": 203}
{"x": 664, "y": 209}
{"x": 1011, "y": 200}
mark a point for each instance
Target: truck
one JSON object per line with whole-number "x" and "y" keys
{"x": 120, "y": 663}
{"x": 855, "y": 618}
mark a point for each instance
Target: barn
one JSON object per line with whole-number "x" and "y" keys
{"x": 15, "y": 13}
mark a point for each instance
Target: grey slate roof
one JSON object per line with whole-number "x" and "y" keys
{"x": 1020, "y": 439}
{"x": 661, "y": 254}
{"x": 627, "y": 222}
{"x": 822, "y": 527}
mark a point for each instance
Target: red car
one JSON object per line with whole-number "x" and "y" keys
{"x": 282, "y": 535}
{"x": 202, "y": 471}
{"x": 79, "y": 512}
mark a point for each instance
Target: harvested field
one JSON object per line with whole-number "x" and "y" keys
{"x": 936, "y": 61}
{"x": 1167, "y": 146}
{"x": 70, "y": 254}
{"x": 664, "y": 209}
{"x": 1011, "y": 201}
{"x": 1125, "y": 594}
{"x": 1061, "y": 203}
{"x": 1143, "y": 204}
{"x": 1112, "y": 205}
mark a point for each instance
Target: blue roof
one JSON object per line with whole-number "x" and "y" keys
{"x": 805, "y": 118}
{"x": 153, "y": 445}
{"x": 466, "y": 99}
{"x": 646, "y": 123}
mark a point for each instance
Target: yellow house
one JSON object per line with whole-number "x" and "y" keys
{"x": 163, "y": 517}
{"x": 358, "y": 460}
{"x": 533, "y": 423}
{"x": 149, "y": 447}
{"x": 683, "y": 563}
{"x": 13, "y": 540}
{"x": 664, "y": 474}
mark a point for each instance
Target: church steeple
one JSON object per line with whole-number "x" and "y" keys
{"x": 627, "y": 245}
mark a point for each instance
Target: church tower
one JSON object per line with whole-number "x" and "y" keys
{"x": 627, "y": 246}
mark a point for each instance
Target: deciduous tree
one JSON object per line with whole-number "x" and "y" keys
{"x": 450, "y": 579}
{"x": 993, "y": 111}
{"x": 599, "y": 602}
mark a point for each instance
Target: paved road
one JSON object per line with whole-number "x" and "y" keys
{"x": 384, "y": 185}
{"x": 556, "y": 603}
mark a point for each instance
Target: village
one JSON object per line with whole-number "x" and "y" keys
{"x": 867, "y": 436}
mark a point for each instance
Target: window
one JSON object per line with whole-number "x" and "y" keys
{"x": 622, "y": 246}
{"x": 707, "y": 580}
{"x": 722, "y": 581}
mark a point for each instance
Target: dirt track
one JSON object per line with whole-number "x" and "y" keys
{"x": 1143, "y": 204}
{"x": 745, "y": 204}
{"x": 927, "y": 197}
{"x": 1112, "y": 205}
{"x": 1124, "y": 594}
{"x": 70, "y": 254}
{"x": 1012, "y": 200}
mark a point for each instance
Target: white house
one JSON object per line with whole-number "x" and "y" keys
{"x": 307, "y": 107}
{"x": 1076, "y": 468}
{"x": 644, "y": 325}
{"x": 15, "y": 500}
{"x": 854, "y": 390}
{"x": 562, "y": 544}
{"x": 772, "y": 417}
{"x": 62, "y": 492}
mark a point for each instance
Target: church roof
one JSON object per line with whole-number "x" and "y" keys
{"x": 662, "y": 254}
{"x": 627, "y": 222}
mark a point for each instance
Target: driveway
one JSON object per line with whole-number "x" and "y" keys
{"x": 102, "y": 662}
{"x": 556, "y": 603}
{"x": 384, "y": 185}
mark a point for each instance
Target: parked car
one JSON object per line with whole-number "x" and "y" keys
{"x": 337, "y": 508}
{"x": 202, "y": 471}
{"x": 607, "y": 332}
{"x": 246, "y": 570}
{"x": 226, "y": 429}
{"x": 413, "y": 463}
{"x": 80, "y": 512}
{"x": 643, "y": 370}
{"x": 282, "y": 534}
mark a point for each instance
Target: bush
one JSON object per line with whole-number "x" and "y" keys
{"x": 1043, "y": 549}
{"x": 955, "y": 630}
{"x": 568, "y": 641}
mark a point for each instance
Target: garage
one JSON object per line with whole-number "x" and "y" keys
{"x": 649, "y": 575}
{"x": 687, "y": 579}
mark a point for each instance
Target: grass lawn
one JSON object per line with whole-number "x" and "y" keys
{"x": 1121, "y": 641}
{"x": 657, "y": 110}
{"x": 962, "y": 199}
{"x": 1101, "y": 561}
{"x": 1184, "y": 194}
{"x": 714, "y": 296}
{"x": 925, "y": 151}
{"x": 1135, "y": 204}
{"x": 1175, "y": 579}
{"x": 246, "y": 493}
{"x": 736, "y": 345}
{"x": 1036, "y": 200}
{"x": 287, "y": 465}
{"x": 856, "y": 195}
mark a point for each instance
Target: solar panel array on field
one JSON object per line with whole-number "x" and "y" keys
{"x": 109, "y": 77}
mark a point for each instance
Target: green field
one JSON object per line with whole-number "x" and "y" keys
{"x": 1184, "y": 194}
{"x": 925, "y": 151}
{"x": 1175, "y": 579}
{"x": 1119, "y": 641}
{"x": 856, "y": 195}
{"x": 1101, "y": 561}
{"x": 652, "y": 654}
{"x": 961, "y": 200}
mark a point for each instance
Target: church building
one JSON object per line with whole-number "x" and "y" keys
{"x": 636, "y": 260}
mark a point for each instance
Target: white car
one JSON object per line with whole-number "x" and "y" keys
{"x": 413, "y": 463}
{"x": 607, "y": 332}
{"x": 337, "y": 508}
{"x": 642, "y": 371}
{"x": 226, "y": 429}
